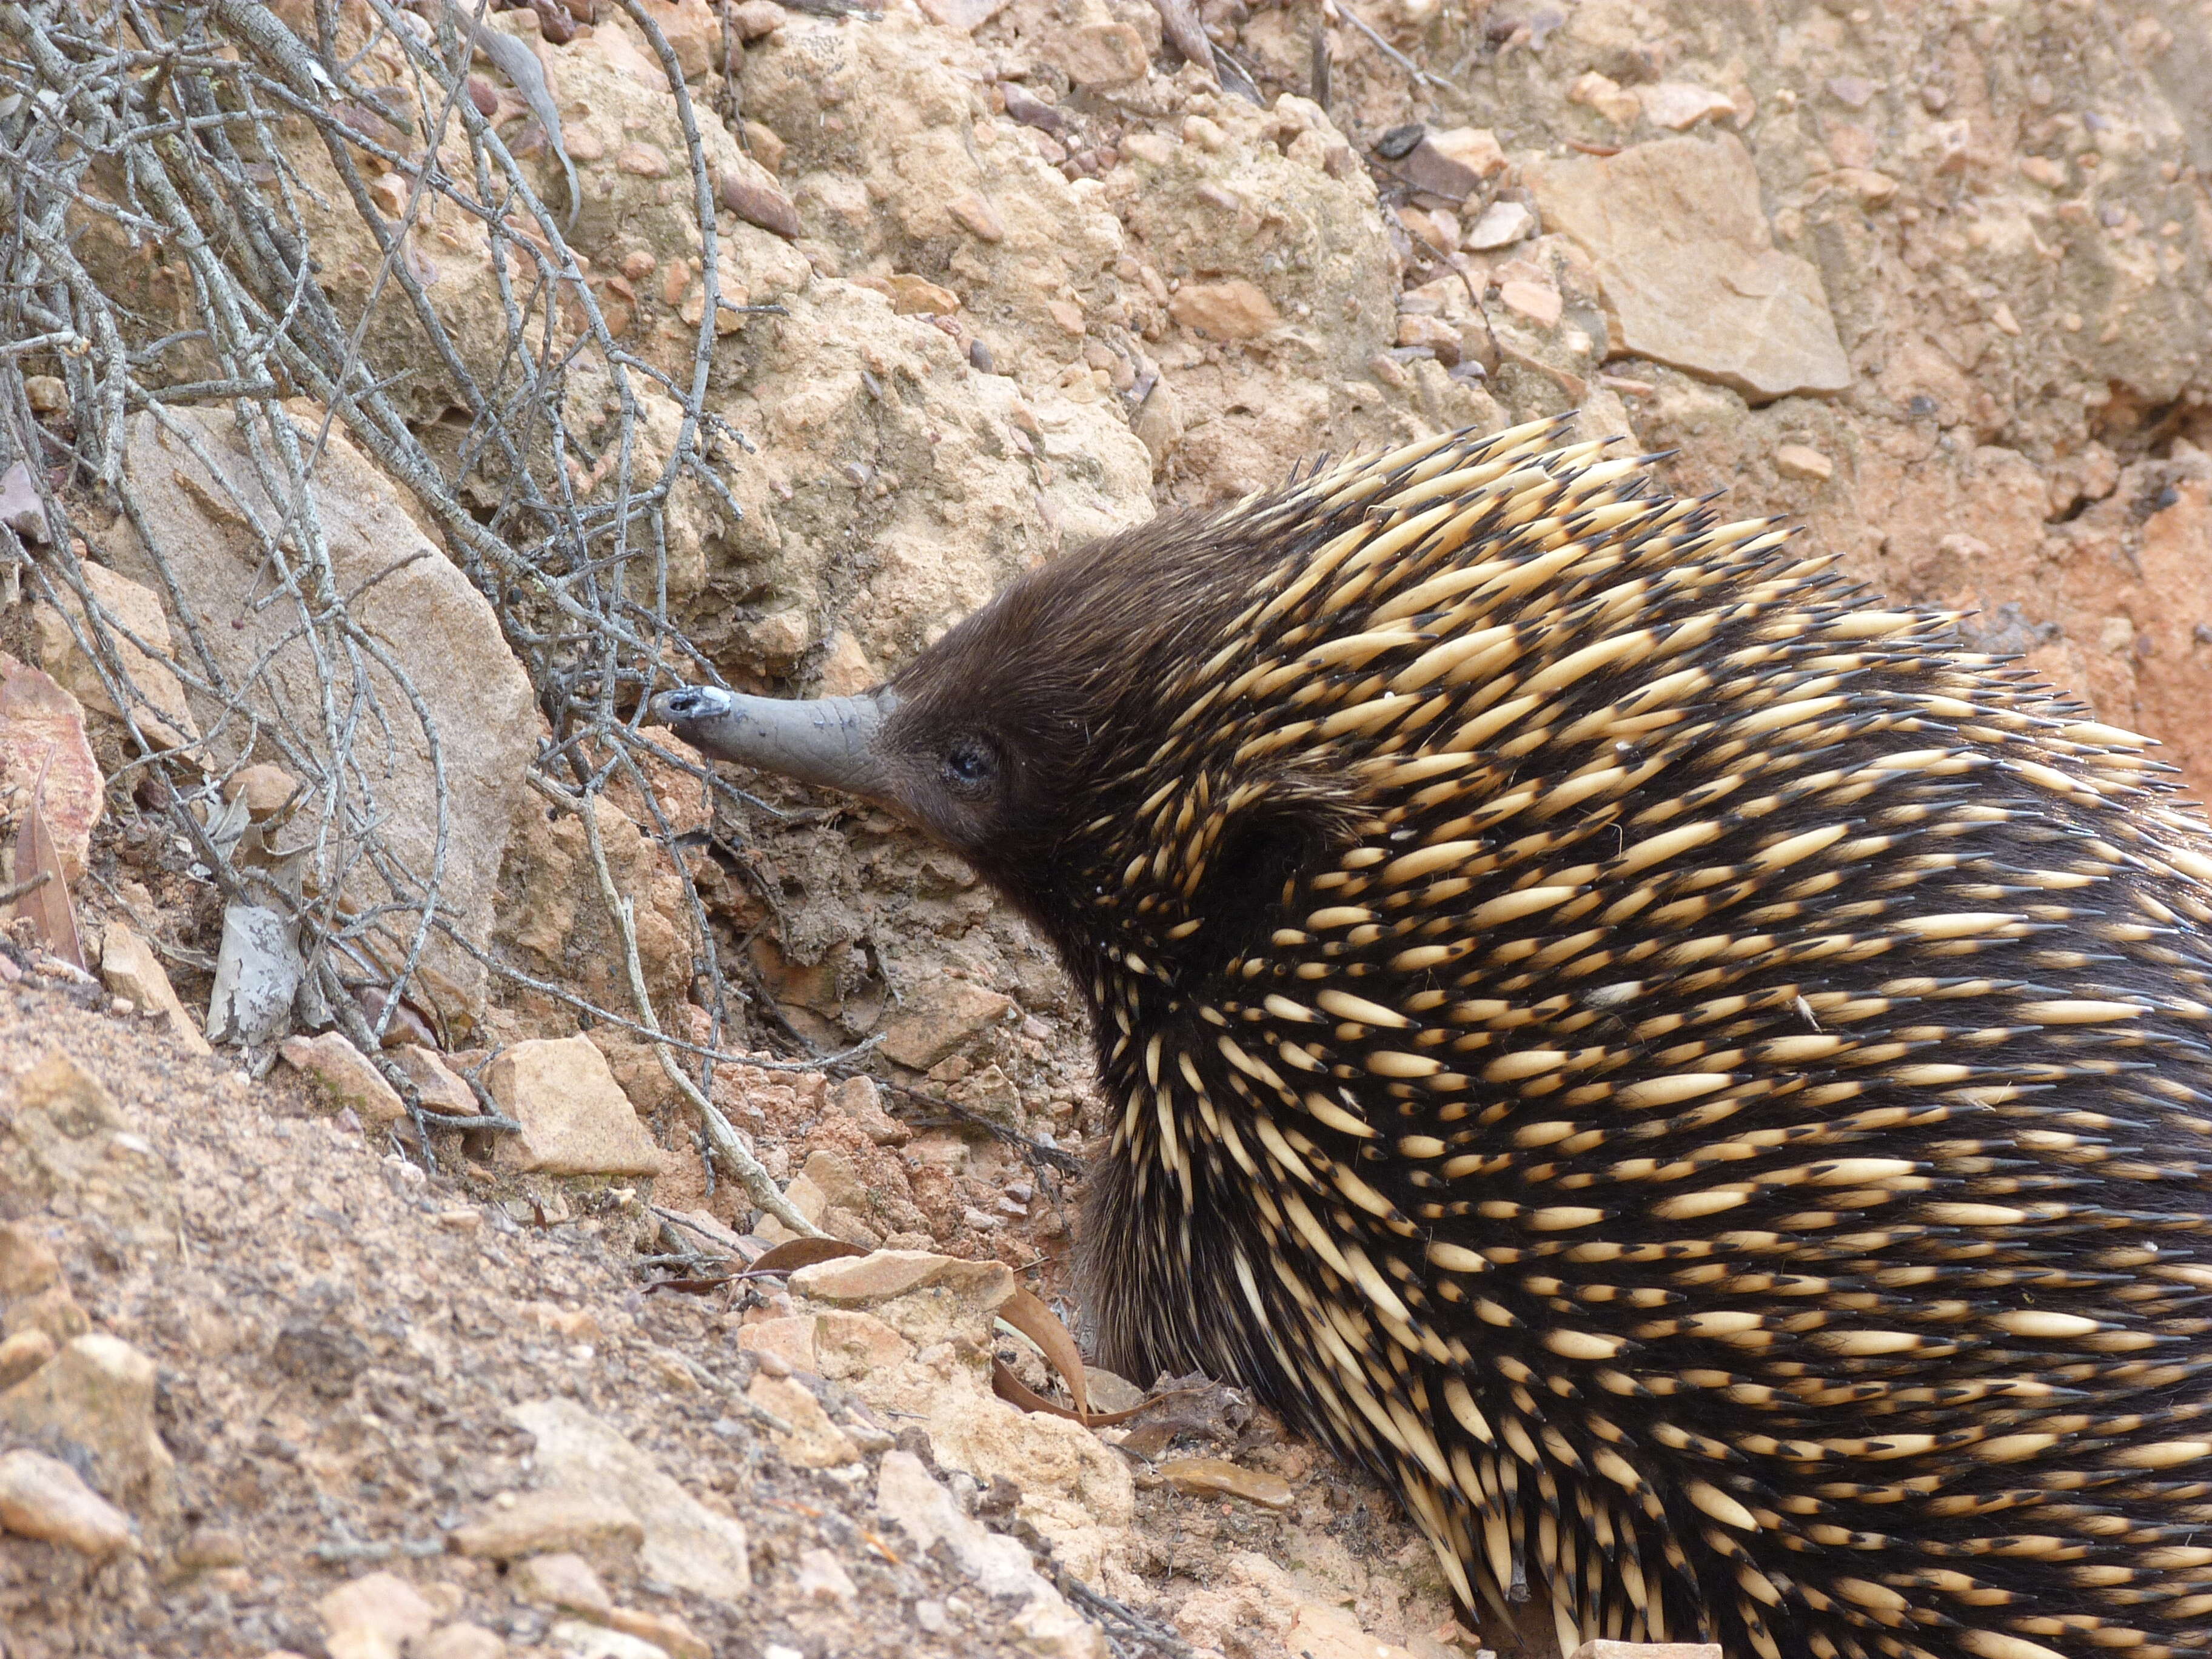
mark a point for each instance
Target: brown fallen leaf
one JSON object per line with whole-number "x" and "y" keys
{"x": 44, "y": 752}
{"x": 46, "y": 905}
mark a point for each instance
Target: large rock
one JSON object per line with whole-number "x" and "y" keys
{"x": 1689, "y": 266}
{"x": 415, "y": 607}
{"x": 575, "y": 1120}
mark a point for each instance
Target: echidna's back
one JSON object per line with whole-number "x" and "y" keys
{"x": 1700, "y": 1079}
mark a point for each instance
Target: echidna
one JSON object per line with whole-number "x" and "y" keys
{"x": 1697, "y": 1077}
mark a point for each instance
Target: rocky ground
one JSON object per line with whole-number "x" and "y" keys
{"x": 1934, "y": 279}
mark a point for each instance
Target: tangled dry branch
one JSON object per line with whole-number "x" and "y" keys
{"x": 178, "y": 127}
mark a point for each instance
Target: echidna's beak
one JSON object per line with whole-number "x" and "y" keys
{"x": 830, "y": 741}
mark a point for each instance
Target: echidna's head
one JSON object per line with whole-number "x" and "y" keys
{"x": 1035, "y": 736}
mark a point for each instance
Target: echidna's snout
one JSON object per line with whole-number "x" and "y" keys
{"x": 835, "y": 742}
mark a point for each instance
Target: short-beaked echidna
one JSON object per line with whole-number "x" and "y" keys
{"x": 1697, "y": 1077}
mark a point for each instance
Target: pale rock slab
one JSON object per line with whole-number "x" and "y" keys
{"x": 66, "y": 1135}
{"x": 911, "y": 1334}
{"x": 554, "y": 1521}
{"x": 576, "y": 1119}
{"x": 1689, "y": 268}
{"x": 374, "y": 1617}
{"x": 939, "y": 1018}
{"x": 910, "y": 1499}
{"x": 43, "y": 748}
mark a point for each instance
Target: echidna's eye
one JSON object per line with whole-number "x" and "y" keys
{"x": 971, "y": 764}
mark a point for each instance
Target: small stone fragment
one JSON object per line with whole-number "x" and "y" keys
{"x": 1801, "y": 461}
{"x": 1616, "y": 102}
{"x": 43, "y": 747}
{"x": 1234, "y": 309}
{"x": 1426, "y": 168}
{"x": 575, "y": 1640}
{"x": 443, "y": 1091}
{"x": 563, "y": 1580}
{"x": 756, "y": 20}
{"x": 41, "y": 1497}
{"x": 664, "y": 1629}
{"x": 28, "y": 1263}
{"x": 1681, "y": 104}
{"x": 161, "y": 710}
{"x": 789, "y": 1341}
{"x": 373, "y": 1616}
{"x": 1539, "y": 302}
{"x": 1437, "y": 335}
{"x": 23, "y": 1353}
{"x": 1217, "y": 1477}
{"x": 1323, "y": 1631}
{"x": 265, "y": 789}
{"x": 814, "y": 1442}
{"x": 209, "y": 1546}
{"x": 945, "y": 1015}
{"x": 1502, "y": 224}
{"x": 130, "y": 968}
{"x": 1851, "y": 91}
{"x": 1687, "y": 262}
{"x": 1031, "y": 111}
{"x": 822, "y": 1578}
{"x": 1105, "y": 54}
{"x": 980, "y": 218}
{"x": 95, "y": 1398}
{"x": 1872, "y": 188}
{"x": 761, "y": 204}
{"x": 859, "y": 1099}
{"x": 342, "y": 1076}
{"x": 576, "y": 1119}
{"x": 917, "y": 296}
{"x": 1475, "y": 148}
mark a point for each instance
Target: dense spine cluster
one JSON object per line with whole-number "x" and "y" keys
{"x": 1701, "y": 1081}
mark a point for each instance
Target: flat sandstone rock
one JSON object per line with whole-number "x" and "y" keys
{"x": 1689, "y": 269}
{"x": 576, "y": 1119}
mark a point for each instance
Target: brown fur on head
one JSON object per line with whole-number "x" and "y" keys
{"x": 1040, "y": 714}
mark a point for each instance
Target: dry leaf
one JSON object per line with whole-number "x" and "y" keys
{"x": 47, "y": 906}
{"x": 44, "y": 751}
